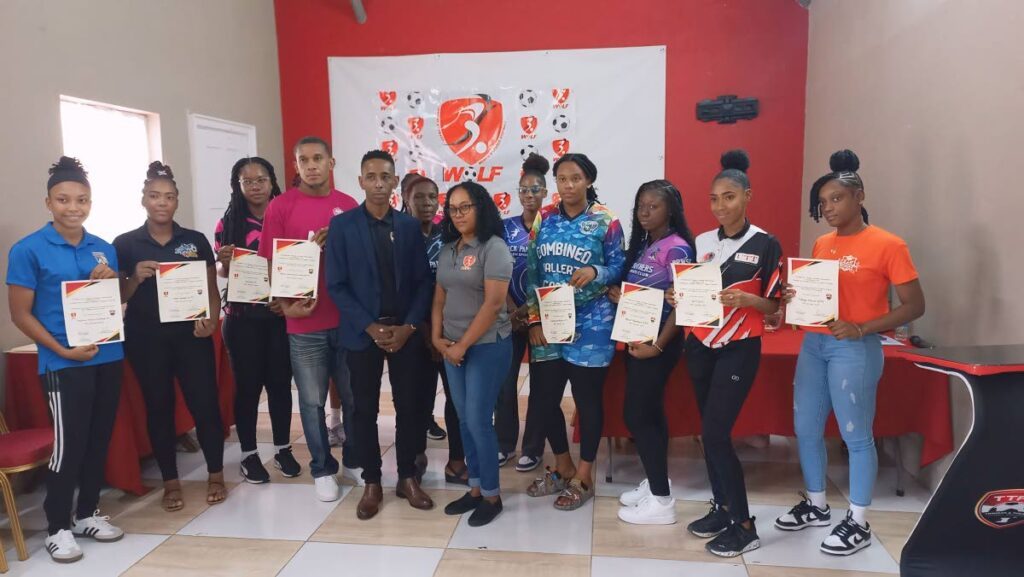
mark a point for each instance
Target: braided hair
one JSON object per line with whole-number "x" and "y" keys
{"x": 234, "y": 219}
{"x": 157, "y": 171}
{"x": 66, "y": 169}
{"x": 638, "y": 237}
{"x": 844, "y": 165}
{"x": 586, "y": 165}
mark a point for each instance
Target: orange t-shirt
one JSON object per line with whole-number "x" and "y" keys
{"x": 869, "y": 262}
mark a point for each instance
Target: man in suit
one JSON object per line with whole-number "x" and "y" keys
{"x": 378, "y": 275}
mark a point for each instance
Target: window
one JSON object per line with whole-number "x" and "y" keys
{"x": 116, "y": 146}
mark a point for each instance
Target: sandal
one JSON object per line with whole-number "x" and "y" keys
{"x": 172, "y": 500}
{"x": 216, "y": 492}
{"x": 549, "y": 484}
{"x": 575, "y": 495}
{"x": 460, "y": 477}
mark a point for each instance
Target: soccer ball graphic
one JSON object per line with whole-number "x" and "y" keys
{"x": 388, "y": 125}
{"x": 525, "y": 152}
{"x": 415, "y": 99}
{"x": 560, "y": 123}
{"x": 527, "y": 98}
{"x": 470, "y": 174}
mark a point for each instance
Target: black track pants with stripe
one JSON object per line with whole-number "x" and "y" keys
{"x": 83, "y": 403}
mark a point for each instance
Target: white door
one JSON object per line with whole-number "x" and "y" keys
{"x": 216, "y": 145}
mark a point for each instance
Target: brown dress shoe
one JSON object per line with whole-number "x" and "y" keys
{"x": 409, "y": 490}
{"x": 369, "y": 505}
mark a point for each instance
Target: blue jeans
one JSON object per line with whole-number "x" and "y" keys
{"x": 316, "y": 359}
{"x": 841, "y": 376}
{"x": 475, "y": 386}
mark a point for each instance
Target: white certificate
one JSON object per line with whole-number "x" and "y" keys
{"x": 296, "y": 269}
{"x": 183, "y": 291}
{"x": 697, "y": 289}
{"x": 638, "y": 317}
{"x": 816, "y": 283}
{"x": 92, "y": 311}
{"x": 557, "y": 313}
{"x": 248, "y": 280}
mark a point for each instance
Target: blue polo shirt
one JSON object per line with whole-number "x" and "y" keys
{"x": 40, "y": 262}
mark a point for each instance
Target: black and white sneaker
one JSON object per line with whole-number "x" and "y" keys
{"x": 734, "y": 541}
{"x": 710, "y": 525}
{"x": 62, "y": 547}
{"x": 253, "y": 470}
{"x": 286, "y": 463}
{"x": 804, "y": 515}
{"x": 96, "y": 527}
{"x": 847, "y": 538}
{"x": 435, "y": 432}
{"x": 504, "y": 458}
{"x": 527, "y": 463}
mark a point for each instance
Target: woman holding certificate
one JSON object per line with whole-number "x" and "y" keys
{"x": 254, "y": 328}
{"x": 169, "y": 281}
{"x": 471, "y": 330}
{"x": 722, "y": 356}
{"x": 659, "y": 237}
{"x": 575, "y": 255}
{"x": 81, "y": 378}
{"x": 840, "y": 363}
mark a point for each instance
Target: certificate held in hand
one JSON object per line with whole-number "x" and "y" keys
{"x": 816, "y": 283}
{"x": 697, "y": 288}
{"x": 296, "y": 269}
{"x": 183, "y": 291}
{"x": 637, "y": 319}
{"x": 248, "y": 281}
{"x": 92, "y": 311}
{"x": 557, "y": 313}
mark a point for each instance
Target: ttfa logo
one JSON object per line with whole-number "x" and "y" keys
{"x": 561, "y": 97}
{"x": 529, "y": 126}
{"x": 387, "y": 98}
{"x": 1001, "y": 509}
{"x": 471, "y": 127}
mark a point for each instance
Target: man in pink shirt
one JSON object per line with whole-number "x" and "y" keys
{"x": 316, "y": 355}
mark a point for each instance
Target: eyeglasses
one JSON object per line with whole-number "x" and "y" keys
{"x": 534, "y": 190}
{"x": 462, "y": 209}
{"x": 253, "y": 182}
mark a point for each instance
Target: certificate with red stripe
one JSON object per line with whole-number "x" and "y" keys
{"x": 248, "y": 281}
{"x": 697, "y": 287}
{"x": 295, "y": 269}
{"x": 557, "y": 313}
{"x": 183, "y": 291}
{"x": 92, "y": 311}
{"x": 816, "y": 283}
{"x": 638, "y": 316}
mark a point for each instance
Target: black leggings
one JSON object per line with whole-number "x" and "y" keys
{"x": 431, "y": 370}
{"x": 547, "y": 385}
{"x": 258, "y": 347}
{"x": 506, "y": 412}
{"x": 644, "y": 412}
{"x": 159, "y": 354}
{"x": 721, "y": 380}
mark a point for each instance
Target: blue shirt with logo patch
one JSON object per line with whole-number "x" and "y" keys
{"x": 517, "y": 237}
{"x": 41, "y": 262}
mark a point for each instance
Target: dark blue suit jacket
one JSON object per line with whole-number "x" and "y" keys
{"x": 353, "y": 280}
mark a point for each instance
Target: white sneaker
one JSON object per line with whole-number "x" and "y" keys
{"x": 62, "y": 547}
{"x": 353, "y": 474}
{"x": 642, "y": 491}
{"x": 327, "y": 488}
{"x": 650, "y": 511}
{"x": 97, "y": 528}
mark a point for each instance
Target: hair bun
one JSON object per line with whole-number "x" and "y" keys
{"x": 537, "y": 163}
{"x": 158, "y": 169}
{"x": 66, "y": 163}
{"x": 844, "y": 160}
{"x": 736, "y": 159}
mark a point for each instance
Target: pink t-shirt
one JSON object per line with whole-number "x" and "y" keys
{"x": 293, "y": 215}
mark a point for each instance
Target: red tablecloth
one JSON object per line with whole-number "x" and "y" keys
{"x": 910, "y": 400}
{"x": 26, "y": 408}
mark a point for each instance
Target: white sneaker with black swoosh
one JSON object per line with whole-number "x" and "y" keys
{"x": 62, "y": 547}
{"x": 847, "y": 538}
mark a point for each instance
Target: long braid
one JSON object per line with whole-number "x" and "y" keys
{"x": 676, "y": 222}
{"x": 844, "y": 165}
{"x": 235, "y": 227}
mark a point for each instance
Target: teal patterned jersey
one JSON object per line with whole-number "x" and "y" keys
{"x": 558, "y": 246}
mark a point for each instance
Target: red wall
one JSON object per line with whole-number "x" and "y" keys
{"x": 747, "y": 47}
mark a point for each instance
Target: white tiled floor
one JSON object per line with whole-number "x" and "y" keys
{"x": 885, "y": 499}
{"x": 618, "y": 567}
{"x": 530, "y": 524}
{"x": 99, "y": 560}
{"x": 366, "y": 560}
{"x": 270, "y": 511}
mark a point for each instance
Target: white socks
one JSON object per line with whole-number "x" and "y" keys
{"x": 859, "y": 514}
{"x": 817, "y": 499}
{"x": 247, "y": 453}
{"x": 334, "y": 419}
{"x": 664, "y": 501}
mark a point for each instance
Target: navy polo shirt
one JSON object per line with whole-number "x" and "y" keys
{"x": 138, "y": 245}
{"x": 40, "y": 262}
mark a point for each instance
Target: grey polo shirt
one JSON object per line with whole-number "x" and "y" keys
{"x": 461, "y": 273}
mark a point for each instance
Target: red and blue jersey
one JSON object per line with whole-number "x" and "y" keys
{"x": 653, "y": 266}
{"x": 559, "y": 245}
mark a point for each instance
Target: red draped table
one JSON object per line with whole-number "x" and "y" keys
{"x": 26, "y": 408}
{"x": 910, "y": 399}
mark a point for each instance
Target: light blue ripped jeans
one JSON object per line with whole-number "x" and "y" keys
{"x": 841, "y": 376}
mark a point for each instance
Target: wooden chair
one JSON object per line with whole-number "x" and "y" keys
{"x": 20, "y": 451}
